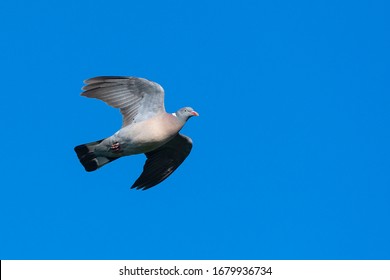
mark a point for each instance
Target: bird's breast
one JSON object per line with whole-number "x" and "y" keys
{"x": 147, "y": 135}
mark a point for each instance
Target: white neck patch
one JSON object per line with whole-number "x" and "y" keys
{"x": 174, "y": 114}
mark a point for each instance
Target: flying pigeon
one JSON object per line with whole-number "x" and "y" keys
{"x": 146, "y": 128}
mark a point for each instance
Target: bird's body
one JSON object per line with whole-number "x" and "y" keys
{"x": 146, "y": 128}
{"x": 135, "y": 139}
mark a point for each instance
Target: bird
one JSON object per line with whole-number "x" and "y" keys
{"x": 146, "y": 129}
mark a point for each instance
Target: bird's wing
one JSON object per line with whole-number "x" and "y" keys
{"x": 137, "y": 98}
{"x": 162, "y": 162}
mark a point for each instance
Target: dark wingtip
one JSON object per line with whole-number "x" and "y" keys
{"x": 139, "y": 187}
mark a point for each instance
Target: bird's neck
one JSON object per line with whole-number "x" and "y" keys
{"x": 179, "y": 119}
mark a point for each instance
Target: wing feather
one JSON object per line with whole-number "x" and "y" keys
{"x": 162, "y": 162}
{"x": 138, "y": 99}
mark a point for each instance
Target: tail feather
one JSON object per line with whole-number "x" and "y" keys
{"x": 89, "y": 159}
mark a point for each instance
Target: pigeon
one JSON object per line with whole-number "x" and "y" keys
{"x": 146, "y": 128}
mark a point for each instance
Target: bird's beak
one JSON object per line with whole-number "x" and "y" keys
{"x": 195, "y": 114}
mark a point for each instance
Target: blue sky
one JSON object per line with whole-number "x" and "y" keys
{"x": 291, "y": 149}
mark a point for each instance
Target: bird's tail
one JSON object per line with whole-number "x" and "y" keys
{"x": 89, "y": 159}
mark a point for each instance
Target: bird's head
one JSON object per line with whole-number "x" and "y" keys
{"x": 185, "y": 113}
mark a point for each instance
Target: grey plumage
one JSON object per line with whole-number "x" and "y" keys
{"x": 137, "y": 98}
{"x": 146, "y": 128}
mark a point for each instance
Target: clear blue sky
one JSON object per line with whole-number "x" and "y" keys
{"x": 291, "y": 156}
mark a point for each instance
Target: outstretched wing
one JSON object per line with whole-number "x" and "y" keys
{"x": 137, "y": 98}
{"x": 162, "y": 162}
